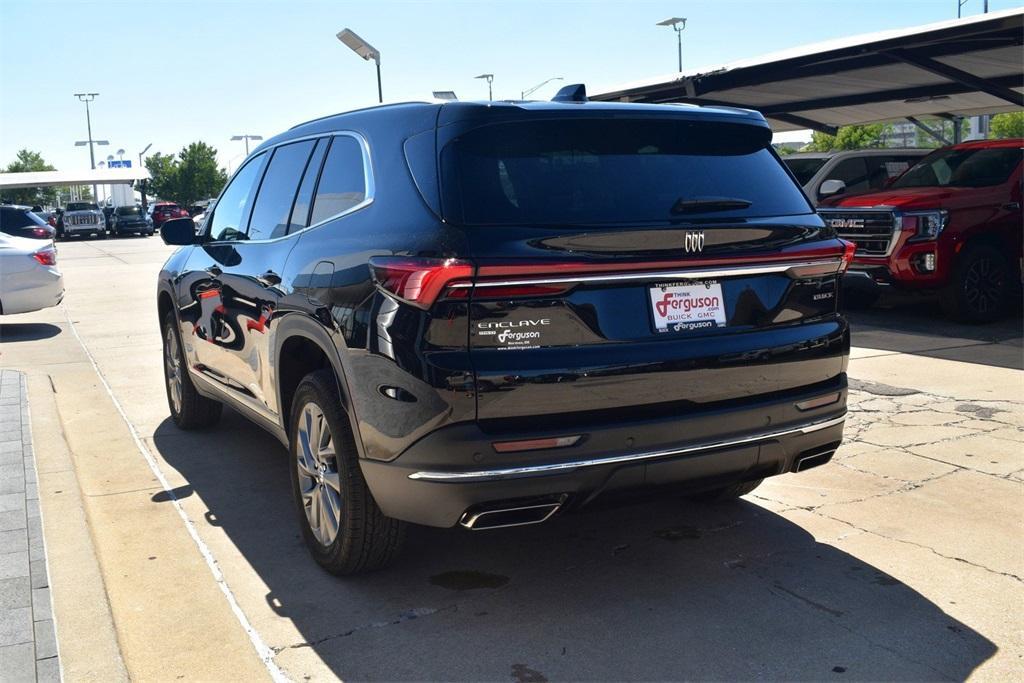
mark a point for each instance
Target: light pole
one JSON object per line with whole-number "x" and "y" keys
{"x": 143, "y": 152}
{"x": 530, "y": 91}
{"x": 247, "y": 137}
{"x": 88, "y": 97}
{"x": 489, "y": 77}
{"x": 364, "y": 50}
{"x": 678, "y": 24}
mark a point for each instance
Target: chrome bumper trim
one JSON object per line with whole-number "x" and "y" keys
{"x": 560, "y": 467}
{"x": 830, "y": 266}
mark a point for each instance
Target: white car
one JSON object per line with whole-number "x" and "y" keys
{"x": 29, "y": 279}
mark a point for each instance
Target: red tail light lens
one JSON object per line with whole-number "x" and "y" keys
{"x": 418, "y": 281}
{"x": 46, "y": 257}
{"x": 849, "y": 249}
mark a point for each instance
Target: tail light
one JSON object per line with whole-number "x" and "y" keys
{"x": 41, "y": 233}
{"x": 46, "y": 257}
{"x": 418, "y": 281}
{"x": 849, "y": 249}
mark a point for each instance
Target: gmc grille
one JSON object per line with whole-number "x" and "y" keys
{"x": 871, "y": 231}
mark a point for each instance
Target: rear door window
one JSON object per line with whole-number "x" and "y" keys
{"x": 342, "y": 183}
{"x": 304, "y": 199}
{"x": 612, "y": 171}
{"x": 273, "y": 205}
{"x": 228, "y": 223}
{"x": 853, "y": 172}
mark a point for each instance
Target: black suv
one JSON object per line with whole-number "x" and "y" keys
{"x": 487, "y": 313}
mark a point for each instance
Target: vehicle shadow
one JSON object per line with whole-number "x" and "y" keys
{"x": 916, "y": 325}
{"x": 659, "y": 590}
{"x": 25, "y": 332}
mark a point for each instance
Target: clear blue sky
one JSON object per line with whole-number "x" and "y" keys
{"x": 173, "y": 72}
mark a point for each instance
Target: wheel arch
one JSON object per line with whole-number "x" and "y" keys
{"x": 303, "y": 346}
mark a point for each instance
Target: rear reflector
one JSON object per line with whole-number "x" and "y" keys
{"x": 536, "y": 444}
{"x": 418, "y": 281}
{"x": 46, "y": 257}
{"x": 827, "y": 399}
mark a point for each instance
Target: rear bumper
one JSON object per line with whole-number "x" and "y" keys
{"x": 455, "y": 471}
{"x": 33, "y": 290}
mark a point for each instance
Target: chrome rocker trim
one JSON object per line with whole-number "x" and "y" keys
{"x": 528, "y": 470}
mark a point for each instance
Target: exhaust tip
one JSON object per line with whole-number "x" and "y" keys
{"x": 504, "y": 515}
{"x": 814, "y": 457}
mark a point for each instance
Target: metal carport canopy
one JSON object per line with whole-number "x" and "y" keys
{"x": 961, "y": 67}
{"x": 110, "y": 176}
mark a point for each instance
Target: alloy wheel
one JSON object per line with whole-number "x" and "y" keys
{"x": 172, "y": 369}
{"x": 319, "y": 480}
{"x": 983, "y": 283}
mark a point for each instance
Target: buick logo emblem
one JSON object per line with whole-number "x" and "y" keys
{"x": 846, "y": 222}
{"x": 693, "y": 242}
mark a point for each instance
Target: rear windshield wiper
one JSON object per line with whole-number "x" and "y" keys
{"x": 700, "y": 204}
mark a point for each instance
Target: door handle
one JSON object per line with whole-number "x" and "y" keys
{"x": 214, "y": 270}
{"x": 1011, "y": 206}
{"x": 269, "y": 279}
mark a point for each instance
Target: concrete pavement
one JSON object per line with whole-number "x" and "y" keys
{"x": 900, "y": 559}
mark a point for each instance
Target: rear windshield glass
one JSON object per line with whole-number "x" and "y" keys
{"x": 128, "y": 211}
{"x": 592, "y": 172}
{"x": 82, "y": 206}
{"x": 804, "y": 169}
{"x": 971, "y": 167}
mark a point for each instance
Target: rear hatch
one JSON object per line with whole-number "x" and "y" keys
{"x": 633, "y": 267}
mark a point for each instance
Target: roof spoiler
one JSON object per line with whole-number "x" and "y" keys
{"x": 576, "y": 92}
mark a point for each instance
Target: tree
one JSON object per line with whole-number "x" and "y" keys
{"x": 192, "y": 176}
{"x": 847, "y": 137}
{"x": 24, "y": 162}
{"x": 1007, "y": 125}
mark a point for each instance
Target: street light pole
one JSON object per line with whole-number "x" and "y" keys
{"x": 530, "y": 91}
{"x": 364, "y": 50}
{"x": 489, "y": 78}
{"x": 88, "y": 97}
{"x": 678, "y": 24}
{"x": 246, "y": 137}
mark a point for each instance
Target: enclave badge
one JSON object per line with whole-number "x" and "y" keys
{"x": 693, "y": 242}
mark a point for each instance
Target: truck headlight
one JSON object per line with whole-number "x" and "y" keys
{"x": 925, "y": 225}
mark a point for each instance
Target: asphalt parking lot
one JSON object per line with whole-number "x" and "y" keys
{"x": 177, "y": 554}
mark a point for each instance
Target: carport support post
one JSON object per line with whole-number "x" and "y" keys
{"x": 928, "y": 129}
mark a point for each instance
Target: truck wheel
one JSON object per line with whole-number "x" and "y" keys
{"x": 727, "y": 493}
{"x": 980, "y": 286}
{"x": 343, "y": 528}
{"x": 189, "y": 409}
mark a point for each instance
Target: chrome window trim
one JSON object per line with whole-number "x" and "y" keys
{"x": 555, "y": 468}
{"x": 367, "y": 181}
{"x": 694, "y": 274}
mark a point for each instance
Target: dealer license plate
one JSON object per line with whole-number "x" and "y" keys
{"x": 690, "y": 306}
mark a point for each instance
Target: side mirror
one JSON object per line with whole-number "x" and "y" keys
{"x": 178, "y": 231}
{"x": 831, "y": 187}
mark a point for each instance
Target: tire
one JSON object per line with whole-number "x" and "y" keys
{"x": 858, "y": 299}
{"x": 189, "y": 409}
{"x": 341, "y": 523}
{"x": 979, "y": 290}
{"x": 727, "y": 493}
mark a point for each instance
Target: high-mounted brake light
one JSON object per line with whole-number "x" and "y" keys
{"x": 418, "y": 281}
{"x": 46, "y": 257}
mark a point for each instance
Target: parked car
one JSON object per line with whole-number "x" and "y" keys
{"x": 29, "y": 279}
{"x": 81, "y": 218}
{"x": 21, "y": 221}
{"x": 824, "y": 174}
{"x": 514, "y": 308}
{"x": 163, "y": 211}
{"x": 950, "y": 224}
{"x": 130, "y": 219}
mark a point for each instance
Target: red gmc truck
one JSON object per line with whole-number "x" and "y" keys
{"x": 952, "y": 223}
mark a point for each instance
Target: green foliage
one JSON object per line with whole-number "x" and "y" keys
{"x": 192, "y": 176}
{"x": 847, "y": 137}
{"x": 1007, "y": 125}
{"x": 26, "y": 161}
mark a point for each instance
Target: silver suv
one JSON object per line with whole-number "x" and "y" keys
{"x": 825, "y": 174}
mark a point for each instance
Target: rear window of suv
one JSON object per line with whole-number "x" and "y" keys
{"x": 604, "y": 171}
{"x": 128, "y": 211}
